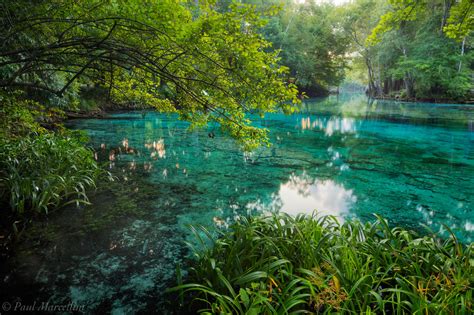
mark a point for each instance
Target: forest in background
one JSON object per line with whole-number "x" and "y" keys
{"x": 411, "y": 50}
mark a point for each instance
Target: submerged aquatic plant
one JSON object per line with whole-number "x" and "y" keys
{"x": 281, "y": 264}
{"x": 40, "y": 172}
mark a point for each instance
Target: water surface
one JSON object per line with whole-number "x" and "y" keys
{"x": 413, "y": 163}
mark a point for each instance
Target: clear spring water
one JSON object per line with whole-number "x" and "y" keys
{"x": 413, "y": 163}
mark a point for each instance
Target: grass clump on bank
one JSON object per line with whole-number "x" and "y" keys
{"x": 45, "y": 171}
{"x": 42, "y": 165}
{"x": 279, "y": 264}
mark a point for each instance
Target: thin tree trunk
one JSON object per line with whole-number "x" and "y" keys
{"x": 408, "y": 85}
{"x": 462, "y": 53}
{"x": 408, "y": 79}
{"x": 379, "y": 80}
{"x": 447, "y": 8}
{"x": 372, "y": 91}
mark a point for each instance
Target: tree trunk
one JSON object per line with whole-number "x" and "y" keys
{"x": 409, "y": 85}
{"x": 408, "y": 80}
{"x": 447, "y": 8}
{"x": 462, "y": 53}
{"x": 374, "y": 89}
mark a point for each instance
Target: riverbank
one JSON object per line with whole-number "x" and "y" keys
{"x": 425, "y": 100}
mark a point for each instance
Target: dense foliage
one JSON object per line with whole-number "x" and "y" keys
{"x": 223, "y": 62}
{"x": 419, "y": 49}
{"x": 309, "y": 40}
{"x": 407, "y": 49}
{"x": 40, "y": 170}
{"x": 177, "y": 56}
{"x": 280, "y": 264}
{"x": 312, "y": 43}
{"x": 44, "y": 171}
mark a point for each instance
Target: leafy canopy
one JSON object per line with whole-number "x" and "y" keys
{"x": 176, "y": 56}
{"x": 422, "y": 49}
{"x": 313, "y": 44}
{"x": 458, "y": 26}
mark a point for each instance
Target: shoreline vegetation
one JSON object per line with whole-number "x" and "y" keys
{"x": 424, "y": 100}
{"x": 279, "y": 264}
{"x": 102, "y": 113}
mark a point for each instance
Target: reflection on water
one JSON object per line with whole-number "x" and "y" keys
{"x": 469, "y": 226}
{"x": 157, "y": 149}
{"x": 347, "y": 156}
{"x": 344, "y": 125}
{"x": 305, "y": 195}
{"x": 331, "y": 125}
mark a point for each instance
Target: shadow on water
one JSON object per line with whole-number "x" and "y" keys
{"x": 413, "y": 163}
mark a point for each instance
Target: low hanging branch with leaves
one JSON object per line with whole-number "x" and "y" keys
{"x": 214, "y": 64}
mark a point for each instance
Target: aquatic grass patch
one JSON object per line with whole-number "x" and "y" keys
{"x": 281, "y": 264}
{"x": 41, "y": 172}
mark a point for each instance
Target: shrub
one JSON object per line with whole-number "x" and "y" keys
{"x": 280, "y": 264}
{"x": 18, "y": 117}
{"x": 40, "y": 172}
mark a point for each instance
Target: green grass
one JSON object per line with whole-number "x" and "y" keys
{"x": 40, "y": 169}
{"x": 41, "y": 172}
{"x": 279, "y": 264}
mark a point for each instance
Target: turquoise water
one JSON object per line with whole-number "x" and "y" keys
{"x": 413, "y": 163}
